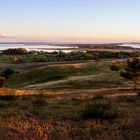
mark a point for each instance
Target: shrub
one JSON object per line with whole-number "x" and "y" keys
{"x": 17, "y": 60}
{"x": 115, "y": 67}
{"x": 15, "y": 51}
{"x": 132, "y": 71}
{"x": 98, "y": 110}
{"x": 3, "y": 104}
{"x": 8, "y": 72}
{"x": 97, "y": 129}
{"x": 7, "y": 97}
{"x": 2, "y": 82}
{"x": 139, "y": 93}
{"x": 40, "y": 101}
{"x": 98, "y": 96}
{"x": 129, "y": 99}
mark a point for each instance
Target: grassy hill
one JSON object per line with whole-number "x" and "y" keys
{"x": 69, "y": 100}
{"x": 91, "y": 74}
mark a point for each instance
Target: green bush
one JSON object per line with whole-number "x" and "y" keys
{"x": 100, "y": 110}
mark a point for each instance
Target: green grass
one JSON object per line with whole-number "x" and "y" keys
{"x": 102, "y": 75}
{"x": 101, "y": 80}
{"x": 73, "y": 114}
{"x": 51, "y": 74}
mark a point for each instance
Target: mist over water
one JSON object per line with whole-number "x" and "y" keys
{"x": 133, "y": 45}
{"x": 45, "y": 48}
{"x": 52, "y": 48}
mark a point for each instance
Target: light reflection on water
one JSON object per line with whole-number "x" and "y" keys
{"x": 132, "y": 45}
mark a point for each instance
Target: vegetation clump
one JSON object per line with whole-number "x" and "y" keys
{"x": 128, "y": 99}
{"x": 100, "y": 110}
{"x": 17, "y": 59}
{"x": 98, "y": 96}
{"x": 2, "y": 82}
{"x": 7, "y": 72}
{"x": 15, "y": 51}
{"x": 7, "y": 97}
{"x": 97, "y": 129}
{"x": 132, "y": 71}
{"x": 139, "y": 93}
{"x": 20, "y": 55}
{"x": 115, "y": 67}
{"x": 40, "y": 101}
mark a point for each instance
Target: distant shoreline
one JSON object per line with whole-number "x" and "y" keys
{"x": 43, "y": 46}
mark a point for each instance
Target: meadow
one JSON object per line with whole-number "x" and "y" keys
{"x": 68, "y": 99}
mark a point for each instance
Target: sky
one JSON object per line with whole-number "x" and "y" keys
{"x": 70, "y": 20}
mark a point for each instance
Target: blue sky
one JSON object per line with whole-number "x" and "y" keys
{"x": 70, "y": 20}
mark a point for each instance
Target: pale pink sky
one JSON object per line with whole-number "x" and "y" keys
{"x": 70, "y": 21}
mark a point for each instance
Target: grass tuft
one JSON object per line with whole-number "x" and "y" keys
{"x": 40, "y": 100}
{"x": 100, "y": 110}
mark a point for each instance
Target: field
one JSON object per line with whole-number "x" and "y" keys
{"x": 65, "y": 100}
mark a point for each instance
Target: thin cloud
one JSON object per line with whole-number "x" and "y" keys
{"x": 6, "y": 37}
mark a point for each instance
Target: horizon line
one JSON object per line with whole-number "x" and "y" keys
{"x": 67, "y": 42}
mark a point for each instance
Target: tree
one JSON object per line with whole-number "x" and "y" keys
{"x": 15, "y": 51}
{"x": 115, "y": 67}
{"x": 7, "y": 72}
{"x": 132, "y": 71}
{"x": 2, "y": 82}
{"x": 17, "y": 59}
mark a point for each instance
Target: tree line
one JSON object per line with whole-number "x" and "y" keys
{"x": 22, "y": 55}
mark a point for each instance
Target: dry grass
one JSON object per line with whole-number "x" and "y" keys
{"x": 6, "y": 91}
{"x": 55, "y": 114}
{"x": 15, "y": 129}
{"x": 17, "y": 122}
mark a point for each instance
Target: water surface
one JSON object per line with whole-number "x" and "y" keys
{"x": 45, "y": 48}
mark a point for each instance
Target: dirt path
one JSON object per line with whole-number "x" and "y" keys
{"x": 45, "y": 85}
{"x": 75, "y": 94}
{"x": 59, "y": 95}
{"x": 90, "y": 93}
